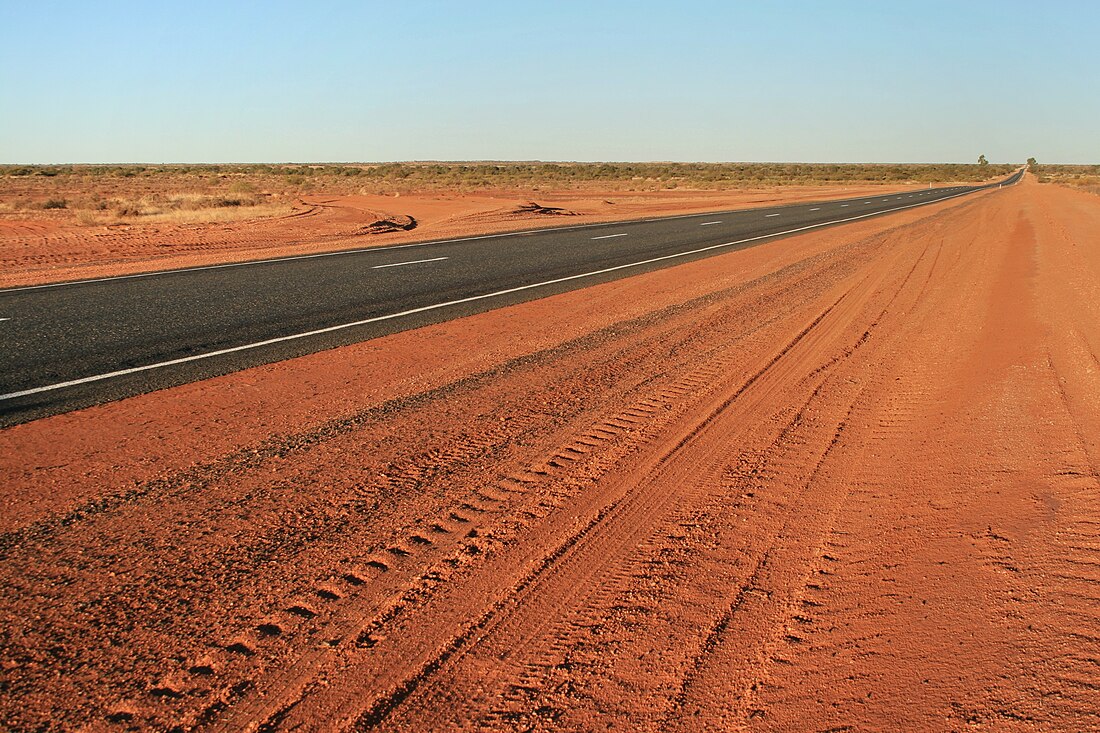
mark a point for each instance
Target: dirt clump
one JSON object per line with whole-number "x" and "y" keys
{"x": 532, "y": 208}
{"x": 395, "y": 223}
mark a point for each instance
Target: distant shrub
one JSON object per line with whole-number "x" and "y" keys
{"x": 55, "y": 204}
{"x": 241, "y": 187}
{"x": 128, "y": 210}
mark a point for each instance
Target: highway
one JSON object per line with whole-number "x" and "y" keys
{"x": 70, "y": 345}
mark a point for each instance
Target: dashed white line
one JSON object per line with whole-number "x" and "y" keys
{"x": 426, "y": 308}
{"x": 708, "y": 223}
{"x": 5, "y": 319}
{"x": 843, "y": 205}
{"x": 410, "y": 262}
{"x": 767, "y": 215}
{"x": 816, "y": 209}
{"x": 609, "y": 236}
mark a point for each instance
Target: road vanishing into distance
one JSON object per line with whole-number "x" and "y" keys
{"x": 69, "y": 345}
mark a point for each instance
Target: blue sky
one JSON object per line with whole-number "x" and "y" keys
{"x": 834, "y": 80}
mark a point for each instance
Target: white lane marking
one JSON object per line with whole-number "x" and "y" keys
{"x": 610, "y": 236}
{"x": 410, "y": 262}
{"x": 5, "y": 319}
{"x": 767, "y": 215}
{"x": 843, "y": 205}
{"x": 866, "y": 202}
{"x": 817, "y": 209}
{"x": 708, "y": 223}
{"x": 423, "y": 309}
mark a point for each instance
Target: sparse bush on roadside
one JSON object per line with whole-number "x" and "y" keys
{"x": 55, "y": 204}
{"x": 1079, "y": 177}
{"x": 245, "y": 180}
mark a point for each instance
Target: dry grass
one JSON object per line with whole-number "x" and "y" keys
{"x": 1082, "y": 177}
{"x": 199, "y": 215}
{"x": 238, "y": 204}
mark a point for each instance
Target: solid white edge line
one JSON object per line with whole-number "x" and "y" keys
{"x": 611, "y": 236}
{"x": 437, "y": 306}
{"x": 410, "y": 262}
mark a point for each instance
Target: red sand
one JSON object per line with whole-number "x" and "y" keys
{"x": 843, "y": 481}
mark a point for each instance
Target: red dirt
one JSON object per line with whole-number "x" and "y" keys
{"x": 843, "y": 481}
{"x": 35, "y": 252}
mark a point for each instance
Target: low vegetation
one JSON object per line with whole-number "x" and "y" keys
{"x": 99, "y": 194}
{"x": 1083, "y": 177}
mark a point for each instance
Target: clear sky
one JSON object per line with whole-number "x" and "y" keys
{"x": 827, "y": 80}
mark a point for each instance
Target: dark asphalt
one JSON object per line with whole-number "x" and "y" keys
{"x": 74, "y": 331}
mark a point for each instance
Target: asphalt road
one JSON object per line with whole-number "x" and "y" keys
{"x": 72, "y": 345}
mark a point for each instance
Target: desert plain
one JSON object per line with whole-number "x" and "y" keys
{"x": 844, "y": 480}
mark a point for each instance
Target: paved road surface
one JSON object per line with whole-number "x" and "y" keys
{"x": 71, "y": 345}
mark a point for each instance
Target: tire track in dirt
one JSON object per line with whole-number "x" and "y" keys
{"x": 104, "y": 523}
{"x": 944, "y": 606}
{"x": 624, "y": 526}
{"x": 609, "y": 428}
